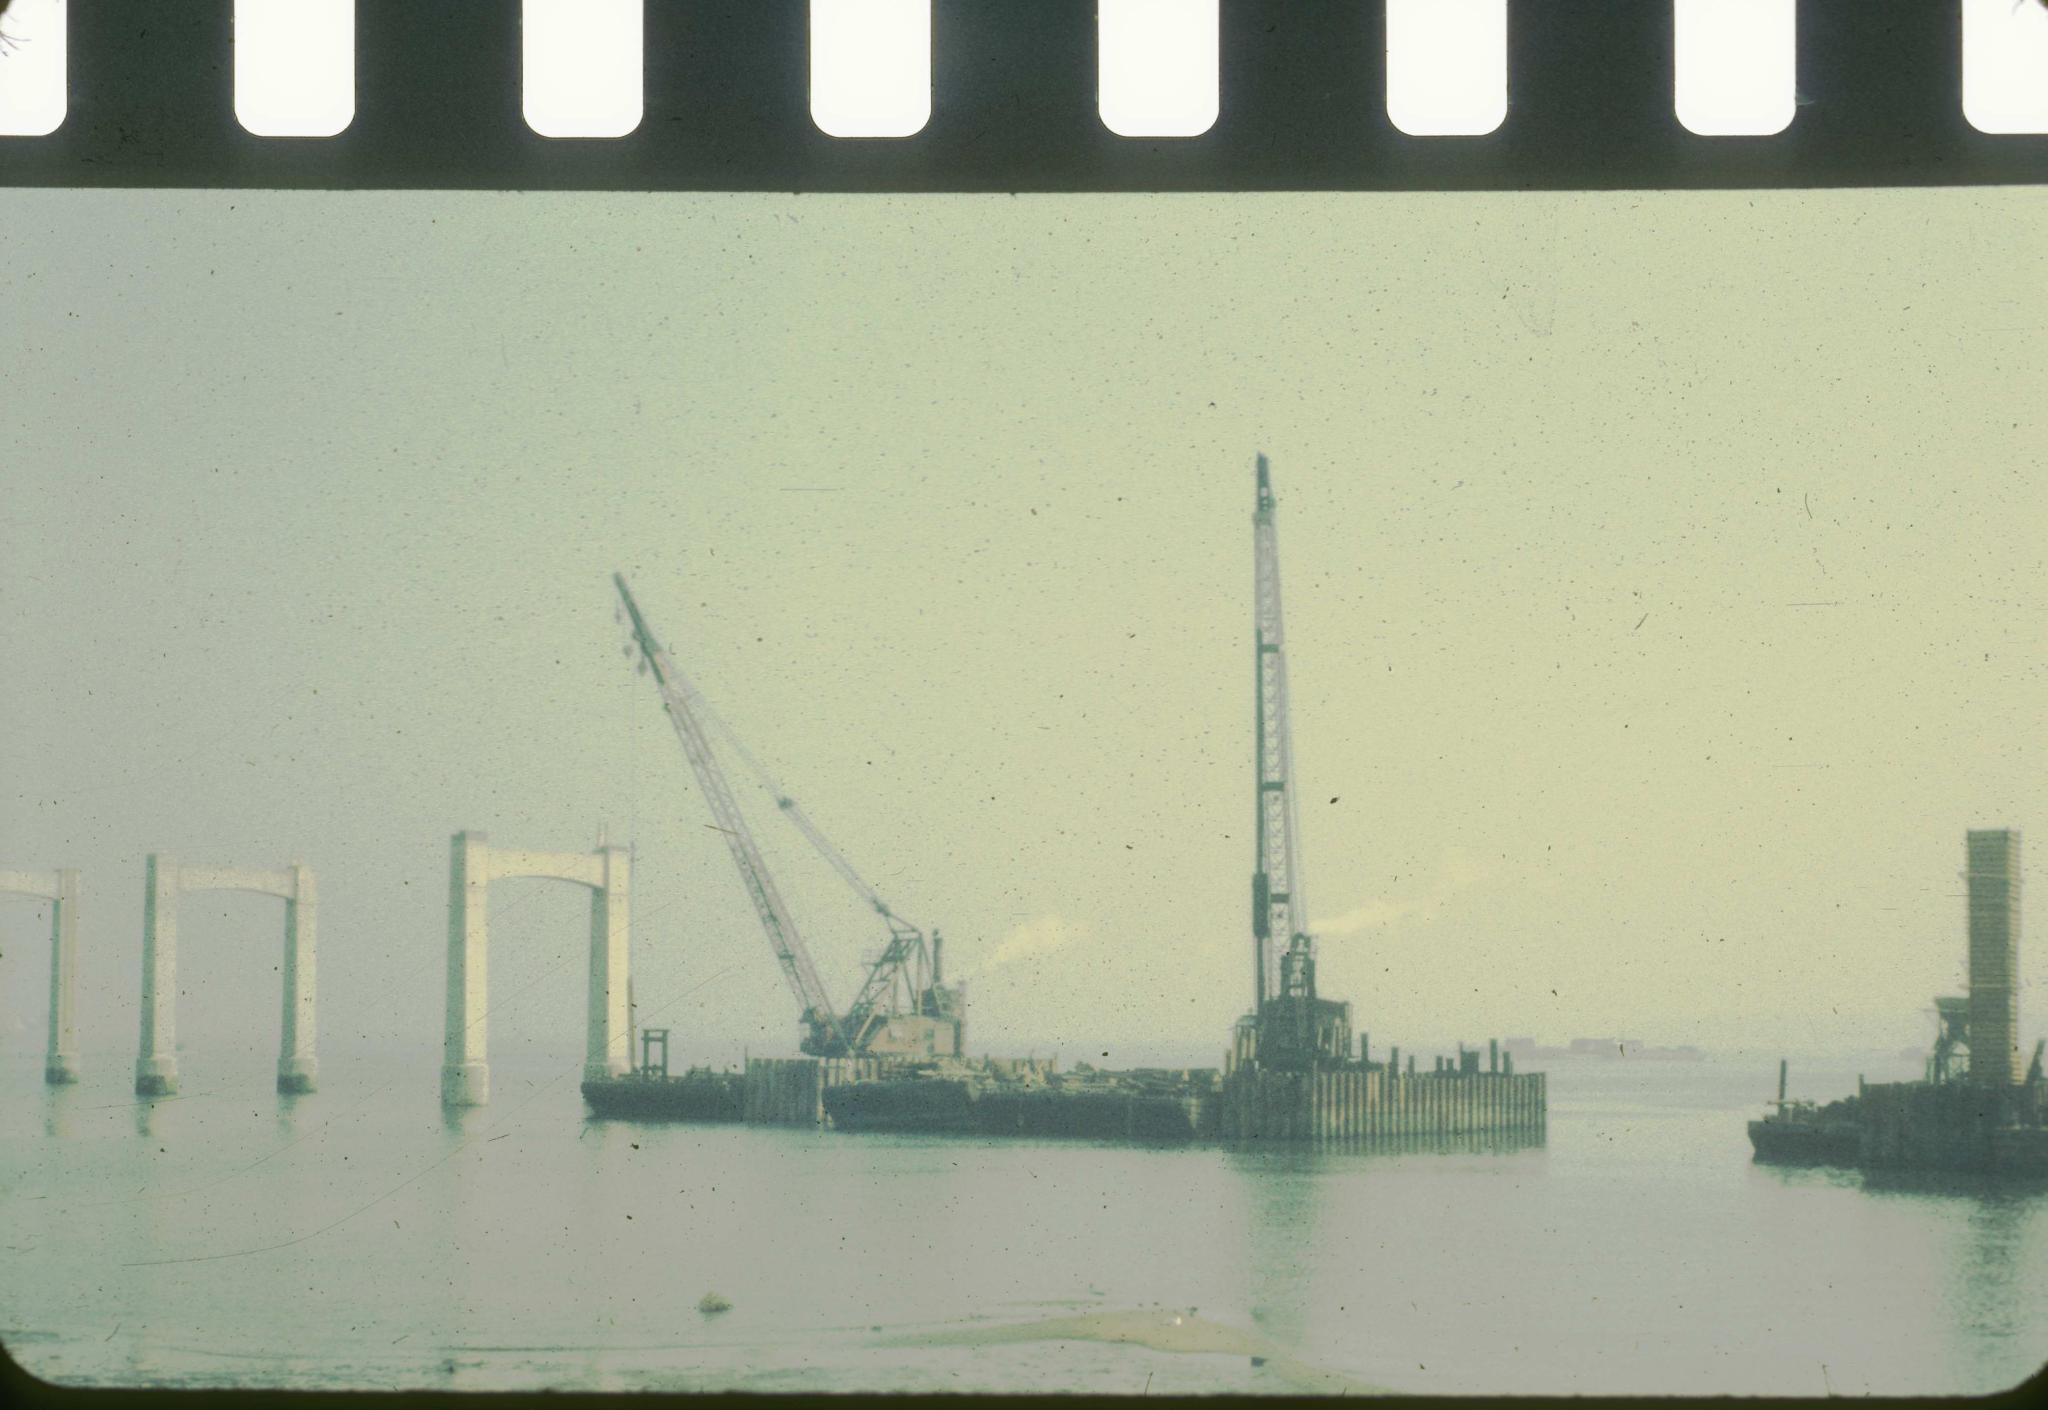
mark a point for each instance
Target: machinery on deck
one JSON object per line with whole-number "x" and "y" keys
{"x": 1951, "y": 1039}
{"x": 903, "y": 1008}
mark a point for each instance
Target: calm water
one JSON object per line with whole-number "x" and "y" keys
{"x": 356, "y": 1237}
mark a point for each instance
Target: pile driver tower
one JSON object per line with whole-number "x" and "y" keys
{"x": 1288, "y": 1026}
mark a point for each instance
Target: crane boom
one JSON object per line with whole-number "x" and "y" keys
{"x": 791, "y": 809}
{"x": 677, "y": 695}
{"x": 904, "y": 971}
{"x": 1279, "y": 914}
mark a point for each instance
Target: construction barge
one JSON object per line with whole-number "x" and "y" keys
{"x": 1366, "y": 1103}
{"x": 1955, "y": 1125}
{"x": 1136, "y": 1106}
{"x": 895, "y": 1059}
{"x": 1291, "y": 1073}
{"x": 1973, "y": 1111}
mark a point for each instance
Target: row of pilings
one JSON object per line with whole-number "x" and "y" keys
{"x": 1354, "y": 1104}
{"x": 1946, "y": 1125}
{"x": 791, "y": 1091}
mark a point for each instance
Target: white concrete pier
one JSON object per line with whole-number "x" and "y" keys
{"x": 473, "y": 865}
{"x": 156, "y": 1065}
{"x": 60, "y": 889}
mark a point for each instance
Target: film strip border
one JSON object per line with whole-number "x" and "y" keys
{"x": 1302, "y": 86}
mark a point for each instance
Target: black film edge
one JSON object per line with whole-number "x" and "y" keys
{"x": 1013, "y": 107}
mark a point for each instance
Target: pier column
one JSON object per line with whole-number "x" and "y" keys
{"x": 156, "y": 1063}
{"x": 60, "y": 1062}
{"x": 165, "y": 881}
{"x": 296, "y": 1066}
{"x": 473, "y": 864}
{"x": 465, "y": 1076}
{"x": 606, "y": 1051}
{"x": 60, "y": 890}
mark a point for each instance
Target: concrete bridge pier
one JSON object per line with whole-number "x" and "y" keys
{"x": 297, "y": 1068}
{"x": 60, "y": 889}
{"x": 156, "y": 1064}
{"x": 465, "y": 1076}
{"x": 472, "y": 865}
{"x": 608, "y": 1041}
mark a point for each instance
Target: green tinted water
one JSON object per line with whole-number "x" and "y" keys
{"x": 359, "y": 1237}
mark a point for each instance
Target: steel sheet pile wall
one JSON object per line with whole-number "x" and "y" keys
{"x": 1950, "y": 1125}
{"x": 1374, "y": 1106}
{"x": 791, "y": 1091}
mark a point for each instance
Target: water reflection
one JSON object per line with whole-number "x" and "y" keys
{"x": 1991, "y": 1262}
{"x": 57, "y": 1121}
{"x": 287, "y": 1122}
{"x": 1841, "y": 1177}
{"x": 1956, "y": 1184}
{"x": 1280, "y": 1234}
{"x": 1999, "y": 1214}
{"x": 1298, "y": 1218}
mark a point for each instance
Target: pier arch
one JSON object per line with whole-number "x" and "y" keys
{"x": 156, "y": 1065}
{"x": 60, "y": 889}
{"x": 473, "y": 864}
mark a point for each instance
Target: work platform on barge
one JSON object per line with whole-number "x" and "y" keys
{"x": 1294, "y": 1076}
{"x": 1974, "y": 1111}
{"x": 895, "y": 1060}
{"x": 1088, "y": 1105}
{"x": 1366, "y": 1105}
{"x": 1952, "y": 1126}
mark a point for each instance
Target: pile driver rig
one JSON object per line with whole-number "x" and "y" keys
{"x": 903, "y": 1009}
{"x": 1288, "y": 1026}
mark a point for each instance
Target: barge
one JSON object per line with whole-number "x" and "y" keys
{"x": 1806, "y": 1133}
{"x": 649, "y": 1093}
{"x": 1098, "y": 1106}
{"x": 697, "y": 1095}
{"x": 1973, "y": 1111}
{"x": 1913, "y": 1126}
{"x": 1803, "y": 1134}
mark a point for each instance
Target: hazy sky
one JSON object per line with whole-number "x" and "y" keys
{"x": 1664, "y": 583}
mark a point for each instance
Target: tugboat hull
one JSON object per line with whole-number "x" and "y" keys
{"x": 697, "y": 1096}
{"x": 1795, "y": 1142}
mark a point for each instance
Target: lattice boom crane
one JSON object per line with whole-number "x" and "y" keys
{"x": 903, "y": 980}
{"x": 1279, "y": 914}
{"x": 783, "y": 937}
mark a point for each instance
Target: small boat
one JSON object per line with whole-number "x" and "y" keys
{"x": 1800, "y": 1133}
{"x": 653, "y": 1095}
{"x": 1803, "y": 1133}
{"x": 649, "y": 1093}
